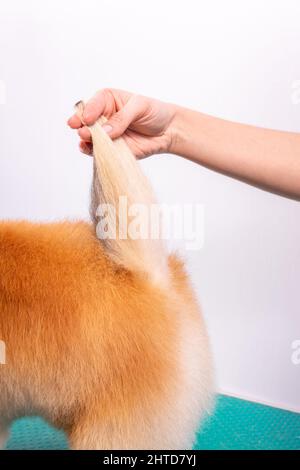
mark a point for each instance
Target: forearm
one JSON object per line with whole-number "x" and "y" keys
{"x": 265, "y": 158}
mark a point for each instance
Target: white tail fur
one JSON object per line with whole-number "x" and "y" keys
{"x": 117, "y": 175}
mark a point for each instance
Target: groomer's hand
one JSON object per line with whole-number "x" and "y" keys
{"x": 144, "y": 123}
{"x": 266, "y": 158}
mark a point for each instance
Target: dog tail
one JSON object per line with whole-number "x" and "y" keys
{"x": 122, "y": 207}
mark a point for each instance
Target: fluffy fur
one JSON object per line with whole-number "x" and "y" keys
{"x": 94, "y": 343}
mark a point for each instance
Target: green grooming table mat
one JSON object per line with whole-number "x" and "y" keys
{"x": 234, "y": 424}
{"x": 244, "y": 425}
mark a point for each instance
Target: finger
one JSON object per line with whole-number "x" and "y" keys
{"x": 85, "y": 134}
{"x": 86, "y": 147}
{"x": 94, "y": 107}
{"x": 74, "y": 122}
{"x": 120, "y": 121}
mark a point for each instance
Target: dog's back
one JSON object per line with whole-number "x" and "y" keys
{"x": 103, "y": 338}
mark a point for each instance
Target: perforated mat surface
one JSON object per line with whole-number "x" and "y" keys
{"x": 235, "y": 424}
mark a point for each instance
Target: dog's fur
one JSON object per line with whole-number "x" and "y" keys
{"x": 104, "y": 342}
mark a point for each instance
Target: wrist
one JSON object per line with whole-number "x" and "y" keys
{"x": 177, "y": 131}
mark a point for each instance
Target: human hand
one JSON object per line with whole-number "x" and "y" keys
{"x": 144, "y": 123}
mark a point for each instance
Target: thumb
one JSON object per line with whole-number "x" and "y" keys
{"x": 120, "y": 121}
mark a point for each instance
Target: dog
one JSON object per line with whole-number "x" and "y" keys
{"x": 104, "y": 337}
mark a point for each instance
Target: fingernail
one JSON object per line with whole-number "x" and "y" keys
{"x": 107, "y": 128}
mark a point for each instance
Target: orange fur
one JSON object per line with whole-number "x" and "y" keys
{"x": 103, "y": 337}
{"x": 95, "y": 349}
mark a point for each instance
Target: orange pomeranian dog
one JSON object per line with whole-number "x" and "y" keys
{"x": 103, "y": 336}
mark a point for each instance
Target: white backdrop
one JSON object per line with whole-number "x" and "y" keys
{"x": 236, "y": 59}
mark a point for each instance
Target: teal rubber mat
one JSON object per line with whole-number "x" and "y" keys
{"x": 243, "y": 425}
{"x": 235, "y": 424}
